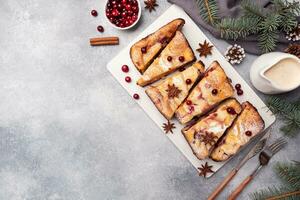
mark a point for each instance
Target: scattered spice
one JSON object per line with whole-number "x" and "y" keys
{"x": 128, "y": 79}
{"x": 207, "y": 138}
{"x": 173, "y": 91}
{"x": 214, "y": 91}
{"x": 150, "y": 5}
{"x": 205, "y": 49}
{"x": 168, "y": 127}
{"x": 94, "y": 13}
{"x": 205, "y": 169}
{"x": 181, "y": 58}
{"x": 248, "y": 133}
{"x": 125, "y": 68}
{"x": 100, "y": 29}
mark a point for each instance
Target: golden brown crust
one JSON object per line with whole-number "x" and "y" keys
{"x": 202, "y": 95}
{"x": 246, "y": 126}
{"x": 161, "y": 66}
{"x": 159, "y": 93}
{"x": 214, "y": 125}
{"x": 154, "y": 44}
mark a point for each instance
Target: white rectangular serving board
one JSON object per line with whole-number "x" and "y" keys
{"x": 195, "y": 36}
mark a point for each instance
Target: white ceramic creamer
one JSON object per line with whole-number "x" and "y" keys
{"x": 275, "y": 73}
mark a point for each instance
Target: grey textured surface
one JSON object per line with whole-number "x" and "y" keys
{"x": 69, "y": 130}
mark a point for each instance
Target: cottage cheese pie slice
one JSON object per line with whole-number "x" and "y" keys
{"x": 176, "y": 54}
{"x": 168, "y": 94}
{"x": 247, "y": 125}
{"x": 210, "y": 91}
{"x": 143, "y": 52}
{"x": 204, "y": 134}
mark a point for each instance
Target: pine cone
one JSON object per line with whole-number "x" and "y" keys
{"x": 235, "y": 54}
{"x": 293, "y": 49}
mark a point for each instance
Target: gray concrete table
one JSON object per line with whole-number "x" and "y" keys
{"x": 69, "y": 130}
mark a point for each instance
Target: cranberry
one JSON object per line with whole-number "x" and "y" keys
{"x": 189, "y": 102}
{"x": 191, "y": 109}
{"x": 248, "y": 133}
{"x": 188, "y": 81}
{"x": 135, "y": 9}
{"x": 125, "y": 68}
{"x": 136, "y": 96}
{"x": 109, "y": 5}
{"x": 127, "y": 79}
{"x": 128, "y": 7}
{"x": 181, "y": 58}
{"x": 169, "y": 58}
{"x": 100, "y": 29}
{"x": 94, "y": 13}
{"x": 130, "y": 12}
{"x": 231, "y": 111}
{"x": 114, "y": 2}
{"x": 240, "y": 92}
{"x": 123, "y": 1}
{"x": 143, "y": 49}
{"x": 214, "y": 91}
{"x": 238, "y": 86}
{"x": 119, "y": 6}
{"x": 115, "y": 13}
{"x": 124, "y": 14}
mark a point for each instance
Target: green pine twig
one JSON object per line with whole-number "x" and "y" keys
{"x": 208, "y": 11}
{"x": 290, "y": 112}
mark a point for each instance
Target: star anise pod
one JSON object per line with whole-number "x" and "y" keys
{"x": 168, "y": 127}
{"x": 204, "y": 169}
{"x": 205, "y": 49}
{"x": 293, "y": 49}
{"x": 207, "y": 138}
{"x": 173, "y": 91}
{"x": 150, "y": 5}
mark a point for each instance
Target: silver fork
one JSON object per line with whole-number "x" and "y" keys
{"x": 264, "y": 158}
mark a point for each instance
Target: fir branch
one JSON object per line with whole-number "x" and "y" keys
{"x": 250, "y": 10}
{"x": 237, "y": 28}
{"x": 290, "y": 112}
{"x": 208, "y": 11}
{"x": 289, "y": 174}
{"x": 271, "y": 192}
{"x": 285, "y": 195}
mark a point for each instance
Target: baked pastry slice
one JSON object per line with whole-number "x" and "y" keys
{"x": 247, "y": 125}
{"x": 176, "y": 54}
{"x": 143, "y": 52}
{"x": 168, "y": 94}
{"x": 204, "y": 134}
{"x": 213, "y": 88}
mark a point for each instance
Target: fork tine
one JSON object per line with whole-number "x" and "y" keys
{"x": 277, "y": 145}
{"x": 278, "y": 141}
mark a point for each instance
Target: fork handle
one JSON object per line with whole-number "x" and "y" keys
{"x": 240, "y": 188}
{"x": 222, "y": 185}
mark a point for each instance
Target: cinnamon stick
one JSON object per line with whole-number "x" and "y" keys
{"x": 104, "y": 41}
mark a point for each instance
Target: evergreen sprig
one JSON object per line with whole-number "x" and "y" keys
{"x": 290, "y": 112}
{"x": 281, "y": 16}
{"x": 289, "y": 174}
{"x": 209, "y": 11}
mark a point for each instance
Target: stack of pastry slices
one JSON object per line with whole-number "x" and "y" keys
{"x": 217, "y": 125}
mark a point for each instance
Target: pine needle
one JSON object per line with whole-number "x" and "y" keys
{"x": 237, "y": 28}
{"x": 289, "y": 174}
{"x": 208, "y": 11}
{"x": 290, "y": 112}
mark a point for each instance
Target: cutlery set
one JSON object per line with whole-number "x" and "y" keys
{"x": 265, "y": 154}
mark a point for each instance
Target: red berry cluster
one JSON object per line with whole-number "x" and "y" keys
{"x": 122, "y": 13}
{"x": 125, "y": 69}
{"x": 239, "y": 90}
